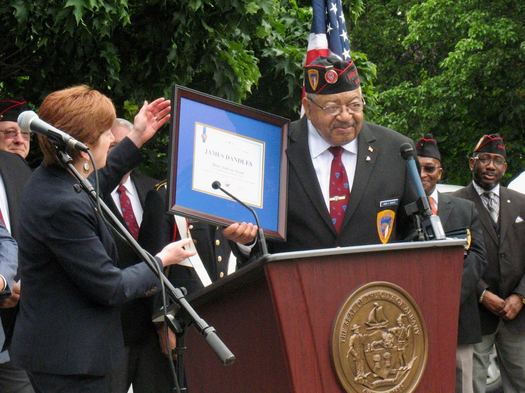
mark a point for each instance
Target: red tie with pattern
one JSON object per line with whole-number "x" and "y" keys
{"x": 339, "y": 190}
{"x": 127, "y": 212}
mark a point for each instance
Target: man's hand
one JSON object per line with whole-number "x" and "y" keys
{"x": 493, "y": 303}
{"x": 242, "y": 233}
{"x": 12, "y": 300}
{"x": 171, "y": 339}
{"x": 150, "y": 118}
{"x": 513, "y": 305}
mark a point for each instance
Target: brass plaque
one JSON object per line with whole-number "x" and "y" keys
{"x": 379, "y": 341}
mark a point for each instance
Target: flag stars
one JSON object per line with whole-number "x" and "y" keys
{"x": 333, "y": 8}
{"x": 344, "y": 36}
{"x": 346, "y": 54}
{"x": 329, "y": 28}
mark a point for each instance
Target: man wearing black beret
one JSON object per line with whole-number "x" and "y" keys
{"x": 14, "y": 173}
{"x": 456, "y": 215}
{"x": 501, "y": 290}
{"x": 347, "y": 181}
{"x": 12, "y": 138}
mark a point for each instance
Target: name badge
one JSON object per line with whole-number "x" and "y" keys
{"x": 389, "y": 202}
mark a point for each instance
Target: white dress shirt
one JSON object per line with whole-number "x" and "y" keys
{"x": 4, "y": 206}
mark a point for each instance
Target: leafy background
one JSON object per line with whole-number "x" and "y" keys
{"x": 453, "y": 68}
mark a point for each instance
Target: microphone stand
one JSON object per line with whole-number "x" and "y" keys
{"x": 428, "y": 227}
{"x": 175, "y": 294}
{"x": 216, "y": 185}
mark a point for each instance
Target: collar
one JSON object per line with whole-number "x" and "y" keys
{"x": 480, "y": 190}
{"x": 318, "y": 145}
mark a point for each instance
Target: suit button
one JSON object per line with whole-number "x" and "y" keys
{"x": 221, "y": 275}
{"x": 217, "y": 242}
{"x": 219, "y": 259}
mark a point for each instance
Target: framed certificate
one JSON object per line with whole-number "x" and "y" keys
{"x": 244, "y": 149}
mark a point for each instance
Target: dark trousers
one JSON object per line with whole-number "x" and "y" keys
{"x": 54, "y": 383}
{"x": 144, "y": 366}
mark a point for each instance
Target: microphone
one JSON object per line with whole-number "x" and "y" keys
{"x": 29, "y": 121}
{"x": 432, "y": 227}
{"x": 216, "y": 185}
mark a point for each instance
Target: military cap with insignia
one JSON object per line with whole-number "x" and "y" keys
{"x": 427, "y": 147}
{"x": 330, "y": 75}
{"x": 491, "y": 143}
{"x": 10, "y": 109}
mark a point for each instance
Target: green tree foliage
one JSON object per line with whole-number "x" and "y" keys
{"x": 453, "y": 68}
{"x": 249, "y": 51}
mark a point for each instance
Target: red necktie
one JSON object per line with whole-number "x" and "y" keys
{"x": 339, "y": 189}
{"x": 433, "y": 206}
{"x": 2, "y": 218}
{"x": 127, "y": 212}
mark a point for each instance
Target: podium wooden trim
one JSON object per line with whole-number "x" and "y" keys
{"x": 276, "y": 315}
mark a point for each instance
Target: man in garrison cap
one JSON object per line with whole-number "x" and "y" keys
{"x": 347, "y": 181}
{"x": 14, "y": 172}
{"x": 12, "y": 138}
{"x": 457, "y": 215}
{"x": 501, "y": 290}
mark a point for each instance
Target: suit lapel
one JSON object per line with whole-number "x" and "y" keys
{"x": 507, "y": 215}
{"x": 301, "y": 163}
{"x": 444, "y": 207}
{"x": 13, "y": 188}
{"x": 366, "y": 160}
{"x": 484, "y": 215}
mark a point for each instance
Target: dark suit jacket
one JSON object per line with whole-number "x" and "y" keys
{"x": 505, "y": 272}
{"x": 455, "y": 214}
{"x": 136, "y": 314}
{"x": 15, "y": 173}
{"x": 69, "y": 319}
{"x": 208, "y": 239}
{"x": 380, "y": 176}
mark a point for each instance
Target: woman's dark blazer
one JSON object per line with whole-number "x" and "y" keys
{"x": 69, "y": 319}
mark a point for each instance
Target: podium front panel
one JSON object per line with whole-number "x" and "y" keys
{"x": 279, "y": 322}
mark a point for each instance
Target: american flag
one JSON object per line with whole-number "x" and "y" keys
{"x": 328, "y": 34}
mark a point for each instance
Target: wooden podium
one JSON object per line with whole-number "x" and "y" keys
{"x": 277, "y": 316}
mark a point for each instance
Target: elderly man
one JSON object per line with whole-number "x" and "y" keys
{"x": 345, "y": 174}
{"x": 12, "y": 138}
{"x": 14, "y": 172}
{"x": 501, "y": 290}
{"x": 457, "y": 214}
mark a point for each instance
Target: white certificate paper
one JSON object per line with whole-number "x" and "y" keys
{"x": 236, "y": 161}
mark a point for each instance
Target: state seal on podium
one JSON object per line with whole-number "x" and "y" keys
{"x": 379, "y": 341}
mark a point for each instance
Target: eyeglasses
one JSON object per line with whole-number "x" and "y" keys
{"x": 335, "y": 110}
{"x": 11, "y": 134}
{"x": 487, "y": 159}
{"x": 429, "y": 168}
